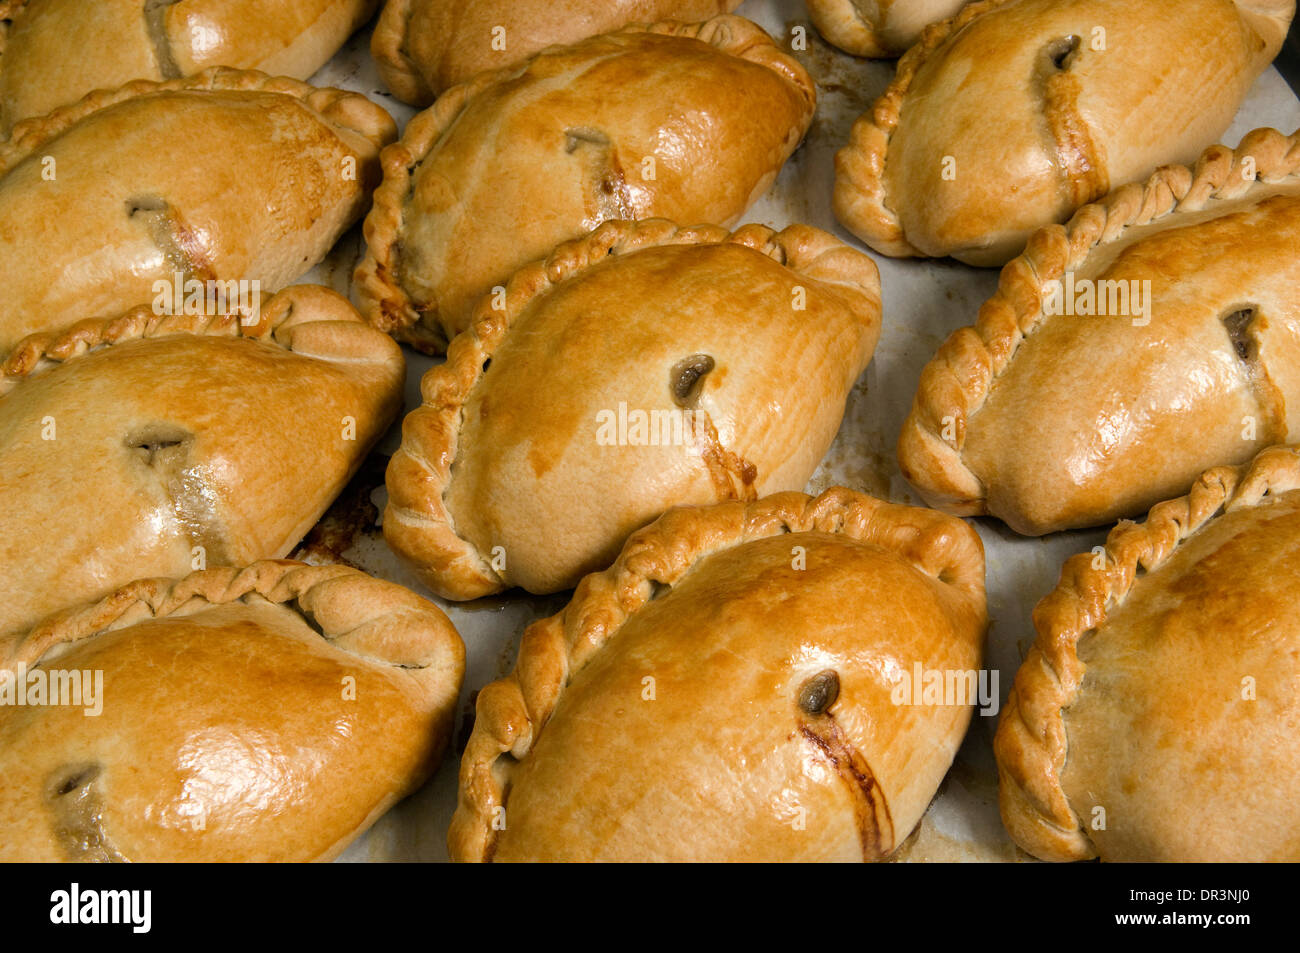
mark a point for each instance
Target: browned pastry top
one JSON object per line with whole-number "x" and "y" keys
{"x": 150, "y": 445}
{"x": 264, "y": 714}
{"x": 727, "y": 691}
{"x": 53, "y": 52}
{"x": 523, "y": 465}
{"x": 1154, "y": 719}
{"x": 226, "y": 175}
{"x": 1052, "y": 420}
{"x": 877, "y": 27}
{"x": 686, "y": 121}
{"x": 1013, "y": 113}
{"x": 422, "y": 47}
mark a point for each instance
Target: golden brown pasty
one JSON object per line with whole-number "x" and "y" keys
{"x": 53, "y": 52}
{"x": 683, "y": 121}
{"x": 877, "y": 27}
{"x": 1154, "y": 336}
{"x": 271, "y": 713}
{"x": 224, "y": 176}
{"x": 1155, "y": 717}
{"x": 424, "y": 46}
{"x": 638, "y": 368}
{"x": 153, "y": 445}
{"x": 729, "y": 690}
{"x": 1014, "y": 113}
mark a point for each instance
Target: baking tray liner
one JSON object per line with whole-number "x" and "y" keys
{"x": 923, "y": 302}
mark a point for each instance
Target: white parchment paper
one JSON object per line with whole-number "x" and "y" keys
{"x": 923, "y": 303}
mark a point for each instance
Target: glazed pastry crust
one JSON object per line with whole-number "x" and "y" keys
{"x": 513, "y": 712}
{"x": 300, "y": 318}
{"x": 1078, "y": 166}
{"x": 113, "y": 517}
{"x": 422, "y": 47}
{"x": 405, "y": 657}
{"x": 428, "y": 325}
{"x": 860, "y": 202}
{"x": 956, "y": 383}
{"x": 348, "y": 114}
{"x": 126, "y": 223}
{"x": 877, "y": 28}
{"x": 74, "y": 47}
{"x": 418, "y": 522}
{"x": 1032, "y": 744}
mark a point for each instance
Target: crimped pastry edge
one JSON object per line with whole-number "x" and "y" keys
{"x": 1031, "y": 743}
{"x": 387, "y": 46}
{"x": 342, "y": 110}
{"x": 844, "y": 27}
{"x": 957, "y": 381}
{"x": 315, "y": 319}
{"x": 384, "y": 302}
{"x": 513, "y": 710}
{"x": 370, "y": 618}
{"x": 417, "y": 523}
{"x": 397, "y": 69}
{"x": 375, "y": 621}
{"x": 859, "y": 202}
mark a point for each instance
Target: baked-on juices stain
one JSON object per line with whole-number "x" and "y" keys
{"x": 609, "y": 195}
{"x": 725, "y": 466}
{"x": 1078, "y": 153}
{"x": 79, "y": 815}
{"x": 350, "y": 517}
{"x": 875, "y": 824}
{"x": 686, "y": 381}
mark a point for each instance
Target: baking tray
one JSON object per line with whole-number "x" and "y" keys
{"x": 923, "y": 302}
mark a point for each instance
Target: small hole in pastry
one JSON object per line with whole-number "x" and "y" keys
{"x": 658, "y": 589}
{"x": 686, "y": 377}
{"x": 573, "y": 138}
{"x": 1238, "y": 324}
{"x": 819, "y": 692}
{"x": 144, "y": 203}
{"x": 1064, "y": 51}
{"x": 74, "y": 778}
{"x": 78, "y": 814}
{"x": 154, "y": 440}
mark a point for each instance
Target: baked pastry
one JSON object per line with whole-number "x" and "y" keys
{"x": 1153, "y": 337}
{"x": 153, "y": 445}
{"x": 1013, "y": 113}
{"x": 53, "y": 52}
{"x": 424, "y": 46}
{"x": 683, "y": 121}
{"x": 1166, "y": 667}
{"x": 638, "y": 368}
{"x": 877, "y": 28}
{"x": 271, "y": 713}
{"x": 101, "y": 200}
{"x": 729, "y": 690}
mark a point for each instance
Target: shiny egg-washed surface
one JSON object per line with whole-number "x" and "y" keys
{"x": 923, "y": 303}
